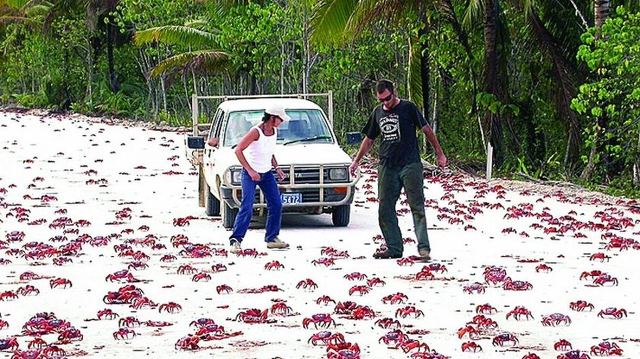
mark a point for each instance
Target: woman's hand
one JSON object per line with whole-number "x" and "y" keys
{"x": 255, "y": 176}
{"x": 280, "y": 174}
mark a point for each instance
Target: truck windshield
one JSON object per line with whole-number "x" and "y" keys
{"x": 305, "y": 126}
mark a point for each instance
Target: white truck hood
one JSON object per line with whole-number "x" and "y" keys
{"x": 294, "y": 154}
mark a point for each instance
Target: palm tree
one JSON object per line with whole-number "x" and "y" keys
{"x": 204, "y": 61}
{"x": 340, "y": 21}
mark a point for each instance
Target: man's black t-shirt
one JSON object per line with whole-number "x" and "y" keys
{"x": 397, "y": 126}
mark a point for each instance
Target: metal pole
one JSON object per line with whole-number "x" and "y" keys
{"x": 489, "y": 161}
{"x": 194, "y": 113}
{"x": 330, "y": 105}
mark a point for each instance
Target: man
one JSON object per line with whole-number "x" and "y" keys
{"x": 396, "y": 121}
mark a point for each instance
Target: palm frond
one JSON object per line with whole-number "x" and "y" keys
{"x": 16, "y": 4}
{"x": 473, "y": 13}
{"x": 200, "y": 24}
{"x": 329, "y": 21}
{"x": 16, "y": 19}
{"x": 204, "y": 62}
{"x": 386, "y": 12}
{"x": 176, "y": 35}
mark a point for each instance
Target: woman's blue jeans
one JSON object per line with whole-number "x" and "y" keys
{"x": 269, "y": 188}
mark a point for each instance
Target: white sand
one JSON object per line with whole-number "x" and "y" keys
{"x": 63, "y": 149}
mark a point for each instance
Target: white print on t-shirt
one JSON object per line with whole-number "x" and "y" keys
{"x": 390, "y": 128}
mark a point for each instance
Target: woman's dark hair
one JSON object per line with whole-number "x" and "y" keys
{"x": 266, "y": 117}
{"x": 384, "y": 84}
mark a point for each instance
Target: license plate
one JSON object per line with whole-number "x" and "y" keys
{"x": 291, "y": 198}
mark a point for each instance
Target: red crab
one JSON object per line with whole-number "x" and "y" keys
{"x": 518, "y": 312}
{"x": 325, "y": 299}
{"x": 190, "y": 342}
{"x": 327, "y": 262}
{"x": 408, "y": 261}
{"x": 574, "y": 354}
{"x": 10, "y": 343}
{"x": 186, "y": 269}
{"x": 3, "y": 324}
{"x": 321, "y": 320}
{"x": 307, "y": 284}
{"x": 168, "y": 258}
{"x": 394, "y": 337}
{"x": 124, "y": 334}
{"x": 544, "y": 268}
{"x": 129, "y": 322}
{"x": 470, "y": 330}
{"x": 273, "y": 265}
{"x": 593, "y": 274}
{"x": 345, "y": 307}
{"x": 28, "y": 290}
{"x": 409, "y": 310}
{"x": 555, "y": 319}
{"x": 224, "y": 288}
{"x": 474, "y": 288}
{"x": 503, "y": 339}
{"x": 435, "y": 267}
{"x": 387, "y": 323}
{"x": 375, "y": 282}
{"x": 612, "y": 312}
{"x": 362, "y": 289}
{"x": 425, "y": 274}
{"x": 202, "y": 276}
{"x": 355, "y": 276}
{"x": 343, "y": 351}
{"x": 219, "y": 267}
{"x": 122, "y": 275}
{"x": 181, "y": 222}
{"x": 606, "y": 348}
{"x": 562, "y": 345}
{"x": 471, "y": 347}
{"x": 485, "y": 309}
{"x": 517, "y": 285}
{"x": 252, "y": 316}
{"x": 8, "y": 295}
{"x": 37, "y": 343}
{"x": 395, "y": 298}
{"x": 69, "y": 335}
{"x": 362, "y": 312}
{"x": 531, "y": 356}
{"x": 411, "y": 344}
{"x": 604, "y": 279}
{"x": 599, "y": 256}
{"x": 107, "y": 313}
{"x": 170, "y": 307}
{"x": 137, "y": 265}
{"x": 280, "y": 308}
{"x": 326, "y": 338}
{"x": 54, "y": 283}
{"x": 581, "y": 305}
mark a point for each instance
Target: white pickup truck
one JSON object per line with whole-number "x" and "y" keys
{"x": 317, "y": 169}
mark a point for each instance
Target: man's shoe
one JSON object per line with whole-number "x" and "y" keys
{"x": 277, "y": 243}
{"x": 235, "y": 245}
{"x": 424, "y": 254}
{"x": 386, "y": 255}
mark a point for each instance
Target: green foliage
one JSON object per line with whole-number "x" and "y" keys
{"x": 612, "y": 91}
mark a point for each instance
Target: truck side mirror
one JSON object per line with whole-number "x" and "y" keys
{"x": 195, "y": 142}
{"x": 354, "y": 138}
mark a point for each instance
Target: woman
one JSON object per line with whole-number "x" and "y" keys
{"x": 255, "y": 153}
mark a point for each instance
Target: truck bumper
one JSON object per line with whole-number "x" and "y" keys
{"x": 329, "y": 196}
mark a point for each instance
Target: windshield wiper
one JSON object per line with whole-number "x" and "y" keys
{"x": 308, "y": 139}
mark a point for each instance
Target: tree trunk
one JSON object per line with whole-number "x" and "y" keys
{"x": 601, "y": 13}
{"x": 563, "y": 75}
{"x": 491, "y": 120}
{"x": 423, "y": 33}
{"x": 114, "y": 84}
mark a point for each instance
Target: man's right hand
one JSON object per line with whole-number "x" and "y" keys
{"x": 353, "y": 168}
{"x": 254, "y": 175}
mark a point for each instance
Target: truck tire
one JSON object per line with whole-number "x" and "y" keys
{"x": 228, "y": 216}
{"x": 341, "y": 215}
{"x": 211, "y": 203}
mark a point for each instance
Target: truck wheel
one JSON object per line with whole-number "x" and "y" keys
{"x": 212, "y": 204}
{"x": 228, "y": 216}
{"x": 341, "y": 215}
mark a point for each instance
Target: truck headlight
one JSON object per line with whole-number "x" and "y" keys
{"x": 338, "y": 174}
{"x": 234, "y": 176}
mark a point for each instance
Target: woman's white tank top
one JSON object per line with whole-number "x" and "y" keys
{"x": 260, "y": 151}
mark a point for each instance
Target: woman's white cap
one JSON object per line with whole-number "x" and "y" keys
{"x": 277, "y": 110}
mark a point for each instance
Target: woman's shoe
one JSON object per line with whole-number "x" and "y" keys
{"x": 277, "y": 243}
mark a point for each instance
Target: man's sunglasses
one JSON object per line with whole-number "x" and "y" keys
{"x": 386, "y": 98}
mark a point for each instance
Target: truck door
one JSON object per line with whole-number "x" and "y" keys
{"x": 210, "y": 151}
